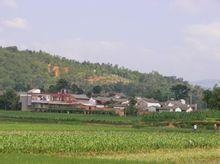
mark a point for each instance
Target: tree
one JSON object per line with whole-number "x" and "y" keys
{"x": 207, "y": 98}
{"x": 52, "y": 89}
{"x": 212, "y": 98}
{"x": 76, "y": 89}
{"x": 9, "y": 100}
{"x": 215, "y": 100}
{"x": 62, "y": 84}
{"x": 21, "y": 86}
{"x": 97, "y": 89}
{"x": 180, "y": 91}
{"x": 89, "y": 94}
{"x": 131, "y": 109}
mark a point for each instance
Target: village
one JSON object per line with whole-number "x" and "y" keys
{"x": 35, "y": 100}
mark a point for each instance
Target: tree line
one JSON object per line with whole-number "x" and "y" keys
{"x": 212, "y": 98}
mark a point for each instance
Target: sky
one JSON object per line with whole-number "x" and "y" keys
{"x": 174, "y": 37}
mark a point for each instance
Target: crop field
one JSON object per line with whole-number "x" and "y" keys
{"x": 62, "y": 138}
{"x": 67, "y": 118}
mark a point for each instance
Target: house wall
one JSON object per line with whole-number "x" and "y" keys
{"x": 25, "y": 102}
{"x": 152, "y": 109}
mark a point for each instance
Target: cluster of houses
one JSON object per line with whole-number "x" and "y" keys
{"x": 34, "y": 100}
{"x": 151, "y": 105}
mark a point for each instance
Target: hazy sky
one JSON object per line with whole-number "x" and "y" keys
{"x": 174, "y": 37}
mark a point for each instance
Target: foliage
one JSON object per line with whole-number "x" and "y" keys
{"x": 9, "y": 100}
{"x": 180, "y": 91}
{"x": 131, "y": 109}
{"x": 112, "y": 113}
{"x": 175, "y": 116}
{"x": 60, "y": 84}
{"x": 97, "y": 89}
{"x": 207, "y": 97}
{"x": 212, "y": 98}
{"x": 74, "y": 88}
{"x": 89, "y": 94}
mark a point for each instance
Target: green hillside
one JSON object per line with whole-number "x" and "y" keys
{"x": 26, "y": 69}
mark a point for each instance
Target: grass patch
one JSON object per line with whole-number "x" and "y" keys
{"x": 45, "y": 159}
{"x": 156, "y": 156}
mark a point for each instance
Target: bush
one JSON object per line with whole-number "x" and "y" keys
{"x": 103, "y": 112}
{"x": 175, "y": 117}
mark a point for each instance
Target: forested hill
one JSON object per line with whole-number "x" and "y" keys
{"x": 23, "y": 70}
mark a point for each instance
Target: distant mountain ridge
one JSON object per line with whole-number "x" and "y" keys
{"x": 207, "y": 83}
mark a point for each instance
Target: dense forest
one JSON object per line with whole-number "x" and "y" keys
{"x": 23, "y": 70}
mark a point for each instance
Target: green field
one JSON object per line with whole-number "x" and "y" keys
{"x": 70, "y": 138}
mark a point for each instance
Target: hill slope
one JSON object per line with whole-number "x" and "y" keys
{"x": 29, "y": 69}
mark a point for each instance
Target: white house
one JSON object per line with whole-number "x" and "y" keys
{"x": 177, "y": 106}
{"x": 37, "y": 91}
{"x": 147, "y": 105}
{"x": 178, "y": 109}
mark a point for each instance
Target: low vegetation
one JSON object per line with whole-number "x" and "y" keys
{"x": 66, "y": 118}
{"x": 102, "y": 141}
{"x": 201, "y": 115}
{"x": 101, "y": 138}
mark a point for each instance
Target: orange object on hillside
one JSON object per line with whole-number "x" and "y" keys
{"x": 49, "y": 67}
{"x": 56, "y": 71}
